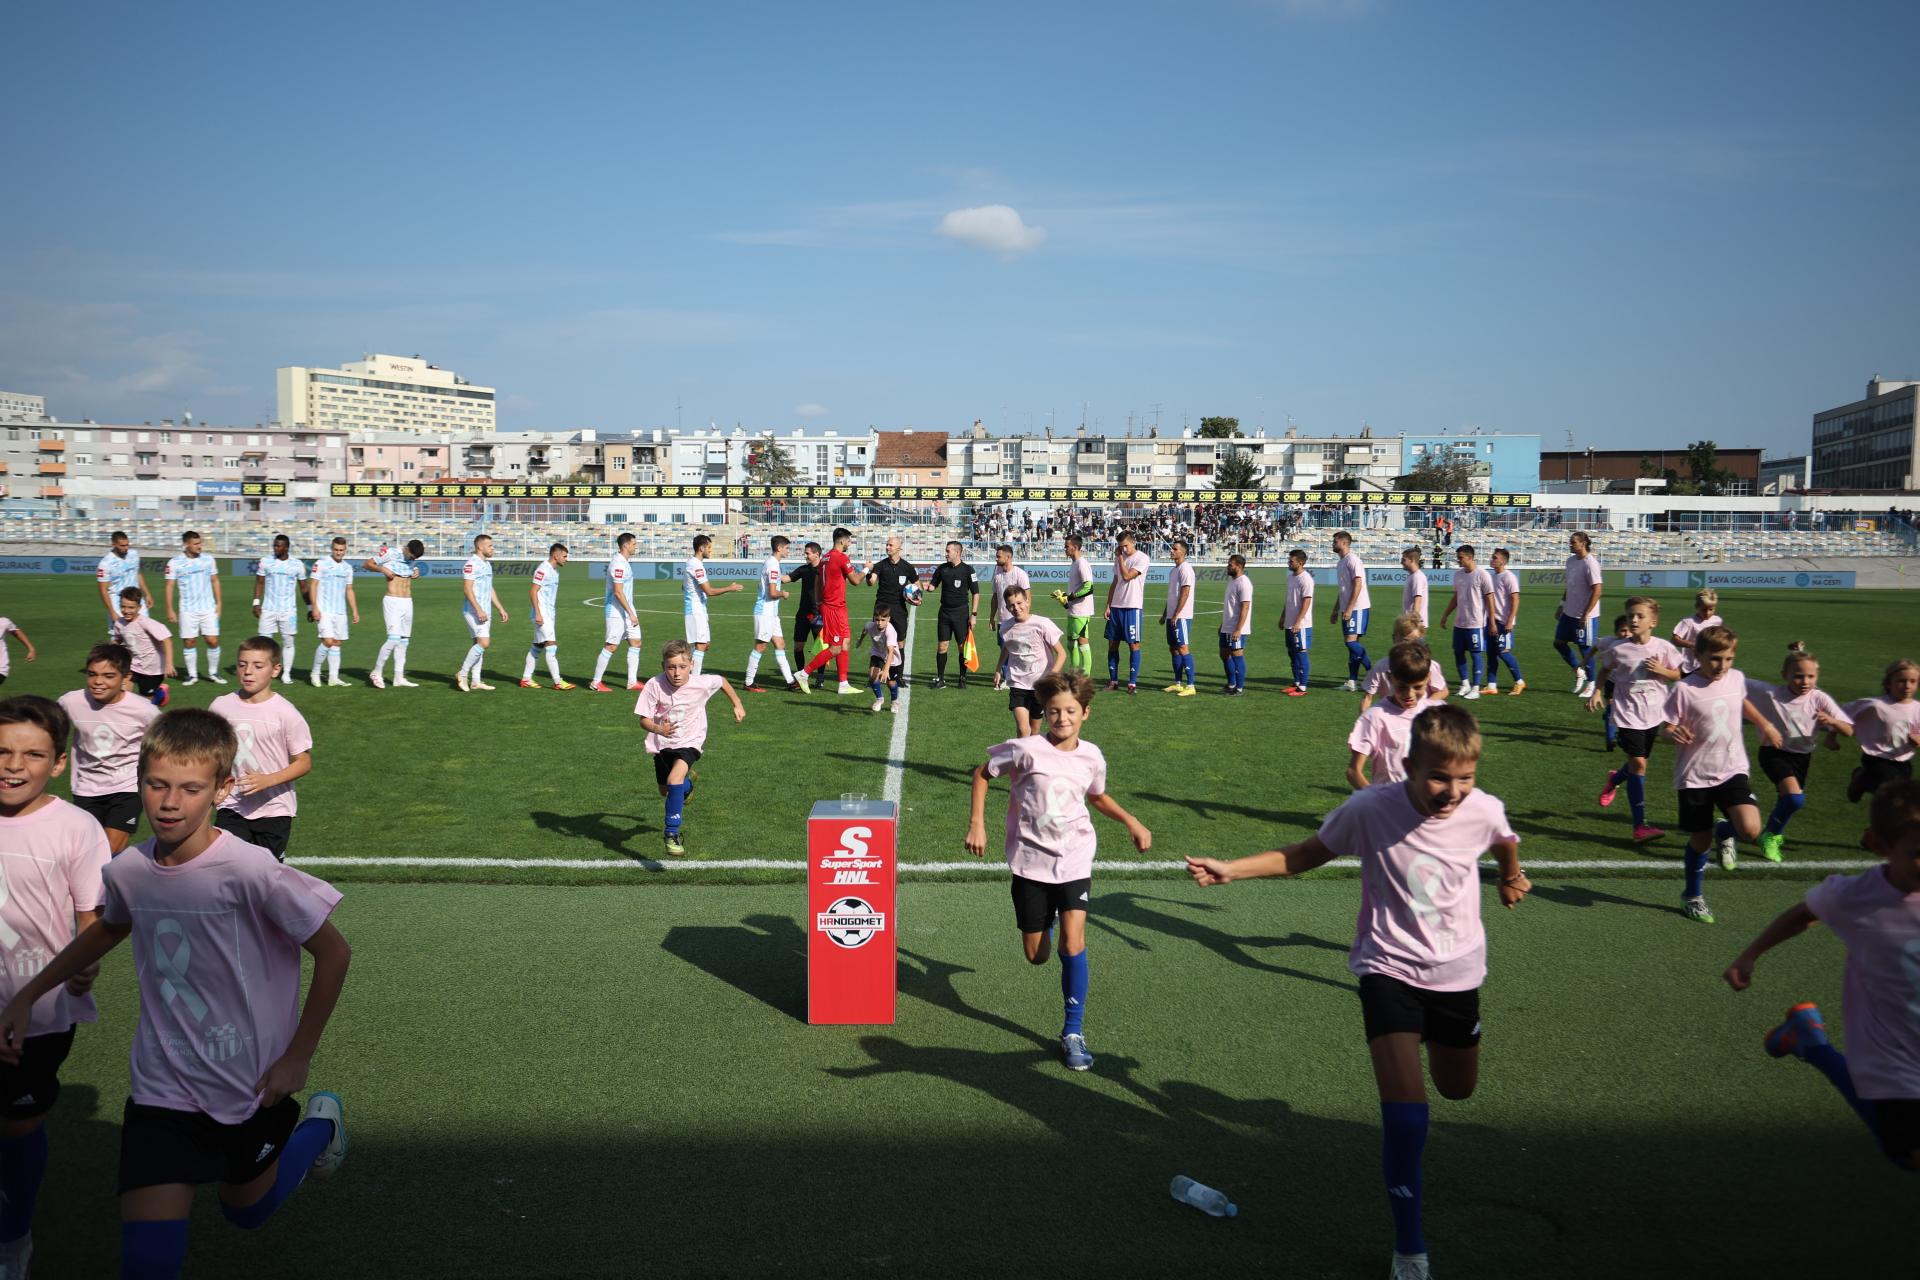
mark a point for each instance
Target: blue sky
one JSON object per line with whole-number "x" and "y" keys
{"x": 1639, "y": 223}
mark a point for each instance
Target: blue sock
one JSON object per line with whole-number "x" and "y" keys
{"x": 1637, "y": 797}
{"x": 1832, "y": 1064}
{"x": 153, "y": 1250}
{"x": 1239, "y": 670}
{"x": 1479, "y": 670}
{"x": 1460, "y": 663}
{"x": 1186, "y": 665}
{"x": 676, "y": 802}
{"x": 309, "y": 1138}
{"x": 873, "y": 686}
{"x": 1133, "y": 666}
{"x": 1723, "y": 830}
{"x": 1586, "y": 661}
{"x": 1696, "y": 872}
{"x": 1565, "y": 651}
{"x": 1073, "y": 991}
{"x": 1513, "y": 664}
{"x": 23, "y": 1163}
{"x": 1113, "y": 665}
{"x": 1403, "y": 1133}
{"x": 1789, "y": 803}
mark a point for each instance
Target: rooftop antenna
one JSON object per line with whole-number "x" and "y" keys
{"x": 677, "y": 424}
{"x": 1156, "y": 414}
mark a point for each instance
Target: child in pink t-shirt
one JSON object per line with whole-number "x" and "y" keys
{"x": 1031, "y": 646}
{"x": 150, "y": 643}
{"x": 51, "y": 857}
{"x": 276, "y": 751}
{"x": 883, "y": 658}
{"x": 223, "y": 1042}
{"x": 1886, "y": 728}
{"x": 1054, "y": 778}
{"x": 1632, "y": 668}
{"x": 9, "y": 627}
{"x": 673, "y": 710}
{"x": 1876, "y": 914}
{"x": 1379, "y": 681}
{"x": 1686, "y": 632}
{"x": 108, "y": 722}
{"x": 1704, "y": 716}
{"x": 1379, "y": 736}
{"x": 1799, "y": 709}
{"x": 1419, "y": 948}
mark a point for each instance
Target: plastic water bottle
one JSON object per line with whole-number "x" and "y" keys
{"x": 1203, "y": 1197}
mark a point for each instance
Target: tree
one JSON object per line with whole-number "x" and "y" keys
{"x": 1219, "y": 428}
{"x": 768, "y": 463}
{"x": 1709, "y": 478}
{"x": 1437, "y": 473}
{"x": 1236, "y": 470}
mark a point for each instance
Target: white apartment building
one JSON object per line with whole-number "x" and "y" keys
{"x": 720, "y": 457}
{"x": 383, "y": 393}
{"x": 18, "y": 404}
{"x": 1186, "y": 462}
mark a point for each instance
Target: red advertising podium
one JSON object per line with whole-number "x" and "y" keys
{"x": 851, "y": 938}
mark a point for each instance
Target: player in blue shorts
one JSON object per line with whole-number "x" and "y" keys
{"x": 1177, "y": 615}
{"x": 1236, "y": 624}
{"x": 1577, "y": 618}
{"x": 1126, "y": 593}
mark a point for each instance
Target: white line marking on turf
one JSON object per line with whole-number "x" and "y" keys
{"x": 897, "y": 743}
{"x": 947, "y": 868}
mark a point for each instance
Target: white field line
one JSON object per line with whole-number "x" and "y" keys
{"x": 799, "y": 865}
{"x": 897, "y": 743}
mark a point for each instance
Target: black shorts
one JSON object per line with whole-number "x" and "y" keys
{"x": 1781, "y": 765}
{"x": 1447, "y": 1018}
{"x": 118, "y": 812}
{"x": 270, "y": 834}
{"x": 1636, "y": 742}
{"x": 1698, "y": 805}
{"x": 30, "y": 1087}
{"x": 1036, "y": 902}
{"x": 1877, "y": 771}
{"x": 1018, "y": 698}
{"x": 955, "y": 624}
{"x": 663, "y": 761}
{"x": 145, "y": 685}
{"x": 160, "y": 1146}
{"x": 806, "y": 625}
{"x": 1896, "y": 1121}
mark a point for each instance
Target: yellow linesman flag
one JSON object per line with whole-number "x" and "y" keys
{"x": 969, "y": 655}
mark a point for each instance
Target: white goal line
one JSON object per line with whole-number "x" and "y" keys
{"x": 799, "y": 865}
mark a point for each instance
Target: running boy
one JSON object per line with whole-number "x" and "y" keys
{"x": 1296, "y": 619}
{"x": 398, "y": 566}
{"x": 1419, "y": 949}
{"x": 883, "y": 645}
{"x": 1380, "y": 734}
{"x": 1236, "y": 625}
{"x": 108, "y": 722}
{"x": 1177, "y": 616}
{"x": 1706, "y": 607}
{"x": 1125, "y": 593}
{"x": 1703, "y": 714}
{"x": 1054, "y": 778}
{"x": 478, "y": 603}
{"x": 1471, "y": 610}
{"x": 333, "y": 604}
{"x": 1379, "y": 682}
{"x": 9, "y": 627}
{"x": 281, "y": 593}
{"x": 150, "y": 643}
{"x": 275, "y": 750}
{"x": 1006, "y": 575}
{"x": 1886, "y": 727}
{"x": 222, "y": 1043}
{"x": 1351, "y": 608}
{"x": 673, "y": 710}
{"x": 196, "y": 577}
{"x": 545, "y": 596}
{"x": 1026, "y": 639}
{"x": 1632, "y": 670}
{"x": 1876, "y": 914}
{"x": 51, "y": 858}
{"x": 1798, "y": 709}
{"x": 766, "y": 617}
{"x": 1506, "y": 615}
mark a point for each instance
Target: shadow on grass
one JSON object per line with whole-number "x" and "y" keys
{"x": 1207, "y": 808}
{"x": 927, "y": 768}
{"x": 599, "y": 828}
{"x": 1582, "y": 896}
{"x": 764, "y": 956}
{"x": 1143, "y": 911}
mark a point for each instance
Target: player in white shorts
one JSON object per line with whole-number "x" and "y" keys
{"x": 332, "y": 601}
{"x": 545, "y": 594}
{"x": 477, "y": 609}
{"x": 280, "y": 592}
{"x": 695, "y": 591}
{"x": 118, "y": 570}
{"x": 396, "y": 564}
{"x": 197, "y": 578}
{"x": 623, "y": 620}
{"x": 766, "y": 617}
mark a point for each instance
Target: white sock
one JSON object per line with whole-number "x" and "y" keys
{"x": 533, "y": 656}
{"x": 600, "y": 666}
{"x": 633, "y": 664}
{"x": 780, "y": 656}
{"x": 193, "y": 664}
{"x": 400, "y": 660}
{"x": 753, "y": 665}
{"x": 320, "y": 658}
{"x": 286, "y": 656}
{"x": 380, "y": 663}
{"x": 553, "y": 662}
{"x": 333, "y": 663}
{"x": 699, "y": 660}
{"x": 475, "y": 656}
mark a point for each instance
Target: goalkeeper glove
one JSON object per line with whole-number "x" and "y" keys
{"x": 1060, "y": 595}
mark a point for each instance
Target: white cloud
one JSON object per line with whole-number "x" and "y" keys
{"x": 811, "y": 410}
{"x": 995, "y": 228}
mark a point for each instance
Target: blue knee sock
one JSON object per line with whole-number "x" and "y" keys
{"x": 1403, "y": 1127}
{"x": 23, "y": 1163}
{"x": 153, "y": 1250}
{"x": 1637, "y": 797}
{"x": 1696, "y": 872}
{"x": 676, "y": 803}
{"x": 1832, "y": 1064}
{"x": 1586, "y": 661}
{"x": 1565, "y": 651}
{"x": 309, "y": 1138}
{"x": 1513, "y": 665}
{"x": 1239, "y": 670}
{"x": 1460, "y": 663}
{"x": 1133, "y": 666}
{"x": 1789, "y": 803}
{"x": 873, "y": 686}
{"x": 1073, "y": 991}
{"x": 1113, "y": 664}
{"x": 1186, "y": 667}
{"x": 1479, "y": 670}
{"x": 1723, "y": 830}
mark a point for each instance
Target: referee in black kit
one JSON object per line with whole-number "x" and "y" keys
{"x": 892, "y": 576}
{"x": 959, "y": 605}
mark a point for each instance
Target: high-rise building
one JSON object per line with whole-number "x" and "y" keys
{"x": 383, "y": 393}
{"x": 18, "y": 404}
{"x": 1871, "y": 443}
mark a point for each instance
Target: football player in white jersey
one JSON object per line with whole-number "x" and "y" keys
{"x": 766, "y": 618}
{"x": 118, "y": 570}
{"x": 396, "y": 565}
{"x": 695, "y": 591}
{"x": 197, "y": 579}
{"x": 281, "y": 592}
{"x": 545, "y": 594}
{"x": 332, "y": 603}
{"x": 476, "y": 583}
{"x": 623, "y": 620}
